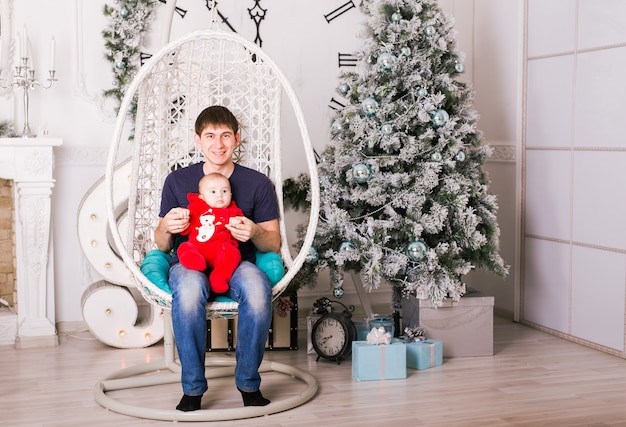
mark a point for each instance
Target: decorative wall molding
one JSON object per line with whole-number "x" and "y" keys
{"x": 503, "y": 153}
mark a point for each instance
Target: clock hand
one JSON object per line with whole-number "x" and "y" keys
{"x": 209, "y": 5}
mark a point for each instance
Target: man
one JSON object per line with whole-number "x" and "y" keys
{"x": 217, "y": 136}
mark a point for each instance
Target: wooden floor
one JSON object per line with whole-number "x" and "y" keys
{"x": 534, "y": 379}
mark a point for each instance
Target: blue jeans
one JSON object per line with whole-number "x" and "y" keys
{"x": 250, "y": 288}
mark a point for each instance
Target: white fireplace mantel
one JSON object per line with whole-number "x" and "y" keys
{"x": 29, "y": 162}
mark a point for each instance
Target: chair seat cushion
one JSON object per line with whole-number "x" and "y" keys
{"x": 156, "y": 266}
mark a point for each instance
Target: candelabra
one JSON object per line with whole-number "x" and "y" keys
{"x": 24, "y": 77}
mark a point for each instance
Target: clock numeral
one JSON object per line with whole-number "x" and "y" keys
{"x": 335, "y": 104}
{"x": 346, "y": 60}
{"x": 143, "y": 57}
{"x": 339, "y": 11}
{"x": 257, "y": 14}
{"x": 181, "y": 12}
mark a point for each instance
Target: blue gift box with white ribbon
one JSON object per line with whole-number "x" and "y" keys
{"x": 425, "y": 354}
{"x": 378, "y": 361}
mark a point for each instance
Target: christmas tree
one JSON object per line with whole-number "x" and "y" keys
{"x": 404, "y": 197}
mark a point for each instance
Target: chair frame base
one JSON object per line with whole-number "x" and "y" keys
{"x": 168, "y": 372}
{"x": 130, "y": 378}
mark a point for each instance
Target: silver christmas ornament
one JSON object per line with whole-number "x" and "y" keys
{"x": 386, "y": 61}
{"x": 344, "y": 88}
{"x": 440, "y": 117}
{"x": 416, "y": 250}
{"x": 361, "y": 173}
{"x": 369, "y": 106}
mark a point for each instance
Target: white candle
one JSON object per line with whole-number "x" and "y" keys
{"x": 52, "y": 48}
{"x": 18, "y": 48}
{"x": 29, "y": 55}
{"x": 24, "y": 47}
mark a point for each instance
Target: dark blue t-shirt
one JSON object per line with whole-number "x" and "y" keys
{"x": 252, "y": 191}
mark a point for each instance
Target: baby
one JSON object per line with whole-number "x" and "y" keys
{"x": 210, "y": 244}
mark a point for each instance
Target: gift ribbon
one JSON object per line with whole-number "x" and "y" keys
{"x": 382, "y": 361}
{"x": 432, "y": 354}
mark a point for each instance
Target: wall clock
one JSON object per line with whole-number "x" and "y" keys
{"x": 312, "y": 42}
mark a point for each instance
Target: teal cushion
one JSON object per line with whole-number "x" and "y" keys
{"x": 156, "y": 267}
{"x": 271, "y": 264}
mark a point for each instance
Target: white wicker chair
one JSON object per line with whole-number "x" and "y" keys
{"x": 201, "y": 69}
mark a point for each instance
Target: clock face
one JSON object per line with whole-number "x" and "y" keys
{"x": 311, "y": 42}
{"x": 329, "y": 337}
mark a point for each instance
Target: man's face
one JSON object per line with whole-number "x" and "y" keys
{"x": 217, "y": 143}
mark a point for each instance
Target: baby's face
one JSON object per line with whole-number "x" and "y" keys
{"x": 216, "y": 193}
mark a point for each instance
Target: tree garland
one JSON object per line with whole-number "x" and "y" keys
{"x": 129, "y": 21}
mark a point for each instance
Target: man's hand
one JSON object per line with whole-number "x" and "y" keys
{"x": 176, "y": 220}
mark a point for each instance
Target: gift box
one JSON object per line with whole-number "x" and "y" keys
{"x": 378, "y": 361}
{"x": 381, "y": 321}
{"x": 361, "y": 330}
{"x": 464, "y": 326}
{"x": 425, "y": 354}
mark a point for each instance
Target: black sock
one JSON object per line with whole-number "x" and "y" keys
{"x": 189, "y": 403}
{"x": 254, "y": 398}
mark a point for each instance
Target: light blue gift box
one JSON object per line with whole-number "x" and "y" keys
{"x": 425, "y": 354}
{"x": 361, "y": 330}
{"x": 381, "y": 321}
{"x": 378, "y": 361}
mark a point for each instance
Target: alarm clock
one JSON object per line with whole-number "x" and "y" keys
{"x": 332, "y": 335}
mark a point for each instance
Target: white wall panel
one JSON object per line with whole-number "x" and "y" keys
{"x": 598, "y": 296}
{"x": 599, "y": 201}
{"x": 601, "y": 23}
{"x": 552, "y": 26}
{"x": 548, "y": 195}
{"x": 600, "y": 98}
{"x": 546, "y": 290}
{"x": 550, "y": 102}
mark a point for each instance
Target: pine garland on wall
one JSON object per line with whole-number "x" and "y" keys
{"x": 129, "y": 21}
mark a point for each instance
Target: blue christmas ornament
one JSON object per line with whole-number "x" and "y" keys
{"x": 312, "y": 256}
{"x": 336, "y": 125}
{"x": 396, "y": 16}
{"x": 369, "y": 106}
{"x": 346, "y": 246}
{"x": 338, "y": 293}
{"x": 440, "y": 117}
{"x": 361, "y": 173}
{"x": 459, "y": 67}
{"x": 344, "y": 88}
{"x": 422, "y": 92}
{"x": 436, "y": 156}
{"x": 429, "y": 30}
{"x": 120, "y": 65}
{"x": 416, "y": 250}
{"x": 386, "y": 61}
{"x": 460, "y": 156}
{"x": 124, "y": 12}
{"x": 386, "y": 129}
{"x": 406, "y": 51}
